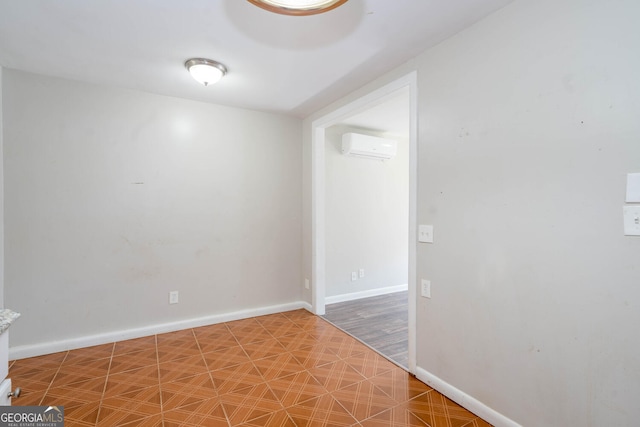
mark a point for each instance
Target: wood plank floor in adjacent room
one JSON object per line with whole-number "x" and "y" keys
{"x": 380, "y": 322}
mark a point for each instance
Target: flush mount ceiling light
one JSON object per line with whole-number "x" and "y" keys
{"x": 298, "y": 7}
{"x": 205, "y": 71}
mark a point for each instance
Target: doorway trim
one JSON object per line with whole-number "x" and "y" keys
{"x": 318, "y": 238}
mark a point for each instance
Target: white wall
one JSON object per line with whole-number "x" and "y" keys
{"x": 528, "y": 130}
{"x": 116, "y": 197}
{"x": 528, "y": 127}
{"x": 1, "y": 202}
{"x": 367, "y": 204}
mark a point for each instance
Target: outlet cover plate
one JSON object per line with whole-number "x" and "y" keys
{"x": 425, "y": 233}
{"x": 425, "y": 289}
{"x": 173, "y": 297}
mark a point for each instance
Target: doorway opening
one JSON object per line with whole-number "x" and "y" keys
{"x": 349, "y": 115}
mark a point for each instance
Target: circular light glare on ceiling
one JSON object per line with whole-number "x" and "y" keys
{"x": 205, "y": 71}
{"x": 298, "y": 7}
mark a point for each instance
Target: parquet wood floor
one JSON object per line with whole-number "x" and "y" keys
{"x": 289, "y": 369}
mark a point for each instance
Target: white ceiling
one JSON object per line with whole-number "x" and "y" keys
{"x": 284, "y": 64}
{"x": 390, "y": 116}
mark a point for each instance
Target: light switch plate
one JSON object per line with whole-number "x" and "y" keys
{"x": 631, "y": 220}
{"x": 425, "y": 233}
{"x": 633, "y": 188}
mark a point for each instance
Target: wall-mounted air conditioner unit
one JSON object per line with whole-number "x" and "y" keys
{"x": 373, "y": 147}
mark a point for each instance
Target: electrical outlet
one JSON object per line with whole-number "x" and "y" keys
{"x": 306, "y": 283}
{"x": 361, "y": 272}
{"x": 173, "y": 297}
{"x": 354, "y": 276}
{"x": 425, "y": 233}
{"x": 426, "y": 288}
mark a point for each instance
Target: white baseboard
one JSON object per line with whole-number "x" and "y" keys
{"x": 461, "y": 398}
{"x": 365, "y": 294}
{"x": 21, "y": 352}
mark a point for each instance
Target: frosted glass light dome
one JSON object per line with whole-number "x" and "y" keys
{"x": 298, "y": 7}
{"x": 205, "y": 71}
